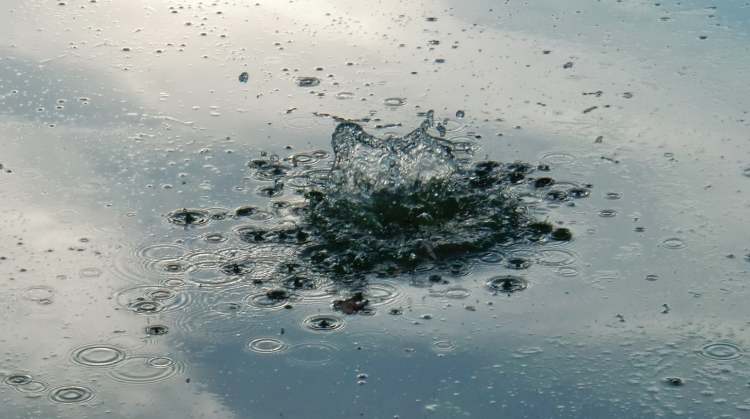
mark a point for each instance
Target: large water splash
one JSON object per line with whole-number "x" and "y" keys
{"x": 365, "y": 165}
{"x": 404, "y": 201}
{"x": 390, "y": 205}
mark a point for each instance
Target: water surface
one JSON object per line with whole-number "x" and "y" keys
{"x": 118, "y": 119}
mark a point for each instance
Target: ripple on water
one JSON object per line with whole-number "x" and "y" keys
{"x": 18, "y": 379}
{"x": 145, "y": 369}
{"x": 32, "y": 387}
{"x": 721, "y": 351}
{"x": 507, "y": 284}
{"x": 567, "y": 271}
{"x": 344, "y": 95}
{"x": 304, "y": 159}
{"x": 98, "y": 355}
{"x": 555, "y": 257}
{"x": 607, "y": 213}
{"x": 394, "y": 101}
{"x": 71, "y": 394}
{"x": 613, "y": 196}
{"x": 212, "y": 277}
{"x": 443, "y": 345}
{"x": 170, "y": 266}
{"x": 491, "y": 257}
{"x": 382, "y": 292}
{"x": 312, "y": 354}
{"x": 673, "y": 243}
{"x": 456, "y": 293}
{"x": 152, "y": 299}
{"x": 309, "y": 287}
{"x": 266, "y": 301}
{"x": 323, "y": 323}
{"x": 90, "y": 272}
{"x": 253, "y": 213}
{"x": 226, "y": 315}
{"x": 266, "y": 345}
{"x": 214, "y": 238}
{"x": 39, "y": 293}
{"x": 558, "y": 158}
{"x": 156, "y": 252}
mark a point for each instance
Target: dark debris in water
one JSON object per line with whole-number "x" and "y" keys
{"x": 352, "y": 305}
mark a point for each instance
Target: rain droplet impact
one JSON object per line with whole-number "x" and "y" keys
{"x": 308, "y": 81}
{"x": 98, "y": 355}
{"x": 266, "y": 345}
{"x": 39, "y": 293}
{"x": 187, "y": 217}
{"x": 71, "y": 394}
{"x": 507, "y": 284}
{"x": 144, "y": 369}
{"x": 607, "y": 213}
{"x": 312, "y": 354}
{"x": 323, "y": 323}
{"x": 673, "y": 243}
{"x": 344, "y": 95}
{"x": 18, "y": 379}
{"x": 721, "y": 351}
{"x": 394, "y": 101}
{"x": 156, "y": 330}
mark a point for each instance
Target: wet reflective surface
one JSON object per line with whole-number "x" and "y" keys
{"x": 209, "y": 208}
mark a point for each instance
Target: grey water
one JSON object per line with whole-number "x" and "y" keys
{"x": 325, "y": 209}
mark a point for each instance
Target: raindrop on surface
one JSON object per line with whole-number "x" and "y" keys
{"x": 38, "y": 293}
{"x": 507, "y": 284}
{"x": 613, "y": 195}
{"x": 144, "y": 369}
{"x": 395, "y": 101}
{"x": 721, "y": 351}
{"x": 308, "y": 81}
{"x": 244, "y": 77}
{"x": 18, "y": 379}
{"x": 607, "y": 213}
{"x": 266, "y": 345}
{"x": 673, "y": 243}
{"x": 71, "y": 394}
{"x": 323, "y": 323}
{"x": 312, "y": 354}
{"x": 98, "y": 355}
{"x": 157, "y": 330}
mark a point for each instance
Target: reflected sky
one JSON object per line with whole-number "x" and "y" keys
{"x": 114, "y": 114}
